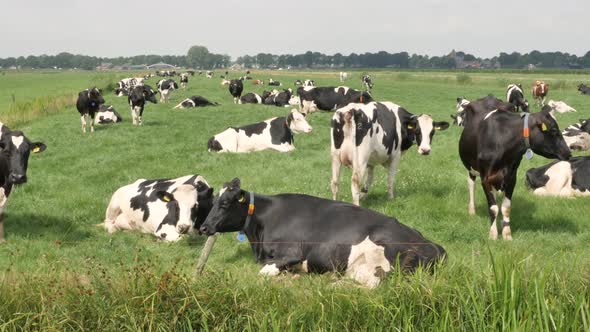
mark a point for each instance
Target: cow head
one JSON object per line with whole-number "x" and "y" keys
{"x": 95, "y": 98}
{"x": 229, "y": 211}
{"x": 545, "y": 137}
{"x": 294, "y": 100}
{"x": 560, "y": 107}
{"x": 16, "y": 149}
{"x": 459, "y": 118}
{"x": 149, "y": 94}
{"x": 585, "y": 125}
{"x": 297, "y": 123}
{"x": 422, "y": 128}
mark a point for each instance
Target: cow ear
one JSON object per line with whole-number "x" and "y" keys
{"x": 442, "y": 125}
{"x": 459, "y": 99}
{"x": 164, "y": 196}
{"x": 412, "y": 123}
{"x": 242, "y": 198}
{"x": 235, "y": 183}
{"x": 38, "y": 147}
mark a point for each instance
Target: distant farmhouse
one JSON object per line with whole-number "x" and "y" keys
{"x": 160, "y": 65}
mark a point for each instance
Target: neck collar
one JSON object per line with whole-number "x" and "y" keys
{"x": 526, "y": 130}
{"x": 251, "y": 208}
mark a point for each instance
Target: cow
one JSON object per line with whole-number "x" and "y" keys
{"x": 275, "y": 134}
{"x": 183, "y": 80}
{"x": 491, "y": 146}
{"x": 577, "y": 136}
{"x": 297, "y": 82}
{"x": 107, "y": 114}
{"x": 343, "y": 76}
{"x": 297, "y": 232}
{"x": 166, "y": 208}
{"x": 367, "y": 82}
{"x": 515, "y": 96}
{"x": 309, "y": 83}
{"x": 15, "y": 149}
{"x": 363, "y": 136}
{"x": 272, "y": 82}
{"x": 280, "y": 99}
{"x": 257, "y": 82}
{"x": 137, "y": 99}
{"x": 127, "y": 84}
{"x": 225, "y": 82}
{"x": 190, "y": 72}
{"x": 294, "y": 101}
{"x": 235, "y": 89}
{"x": 560, "y": 107}
{"x": 561, "y": 178}
{"x": 459, "y": 116}
{"x": 195, "y": 101}
{"x": 329, "y": 98}
{"x": 585, "y": 90}
{"x": 209, "y": 74}
{"x": 250, "y": 98}
{"x": 540, "y": 91}
{"x": 88, "y": 104}
{"x": 165, "y": 87}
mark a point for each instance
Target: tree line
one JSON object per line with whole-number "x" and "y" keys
{"x": 199, "y": 57}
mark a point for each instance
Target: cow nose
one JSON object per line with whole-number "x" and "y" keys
{"x": 163, "y": 236}
{"x": 309, "y": 129}
{"x": 17, "y": 178}
{"x": 204, "y": 230}
{"x": 424, "y": 151}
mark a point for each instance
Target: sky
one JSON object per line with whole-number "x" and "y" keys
{"x": 110, "y": 28}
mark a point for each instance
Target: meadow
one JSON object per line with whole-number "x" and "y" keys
{"x": 58, "y": 271}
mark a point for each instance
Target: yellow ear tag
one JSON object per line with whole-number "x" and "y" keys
{"x": 166, "y": 199}
{"x": 543, "y": 127}
{"x": 436, "y": 128}
{"x": 36, "y": 149}
{"x": 410, "y": 127}
{"x": 242, "y": 199}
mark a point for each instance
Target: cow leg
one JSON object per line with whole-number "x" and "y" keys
{"x": 273, "y": 268}
{"x": 3, "y": 200}
{"x": 368, "y": 182}
{"x": 91, "y": 123}
{"x": 83, "y": 120}
{"x": 392, "y": 171}
{"x": 471, "y": 185}
{"x": 140, "y": 117}
{"x": 543, "y": 101}
{"x": 336, "y": 165}
{"x": 492, "y": 209}
{"x": 509, "y": 184}
{"x": 133, "y": 115}
{"x": 358, "y": 174}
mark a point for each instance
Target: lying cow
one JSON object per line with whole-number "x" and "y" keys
{"x": 274, "y": 83}
{"x": 329, "y": 98}
{"x": 584, "y": 89}
{"x": 137, "y": 99}
{"x": 250, "y": 98}
{"x": 275, "y": 134}
{"x": 363, "y": 136}
{"x": 15, "y": 149}
{"x": 280, "y": 99}
{"x": 515, "y": 96}
{"x": 291, "y": 232}
{"x": 561, "y": 178}
{"x": 195, "y": 101}
{"x": 88, "y": 104}
{"x": 165, "y": 87}
{"x": 577, "y": 136}
{"x": 166, "y": 208}
{"x": 492, "y": 146}
{"x": 107, "y": 114}
{"x": 209, "y": 74}
{"x": 560, "y": 107}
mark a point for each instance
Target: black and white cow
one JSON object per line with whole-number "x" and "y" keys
{"x": 250, "y": 98}
{"x": 195, "y": 101}
{"x": 183, "y": 80}
{"x": 367, "y": 82}
{"x": 329, "y": 98}
{"x": 577, "y": 136}
{"x": 309, "y": 83}
{"x": 298, "y": 82}
{"x": 280, "y": 99}
{"x": 584, "y": 89}
{"x": 459, "y": 116}
{"x": 297, "y": 232}
{"x": 166, "y": 208}
{"x": 273, "y": 82}
{"x": 235, "y": 89}
{"x": 515, "y": 96}
{"x": 165, "y": 87}
{"x": 88, "y": 104}
{"x": 491, "y": 147}
{"x": 209, "y": 74}
{"x": 137, "y": 99}
{"x": 561, "y": 178}
{"x": 107, "y": 114}
{"x": 127, "y": 84}
{"x": 15, "y": 149}
{"x": 274, "y": 133}
{"x": 363, "y": 136}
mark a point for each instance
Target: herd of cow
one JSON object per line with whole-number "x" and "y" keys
{"x": 364, "y": 133}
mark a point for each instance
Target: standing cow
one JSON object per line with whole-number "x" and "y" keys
{"x": 584, "y": 89}
{"x": 540, "y": 91}
{"x": 343, "y": 76}
{"x": 329, "y": 98}
{"x": 166, "y": 208}
{"x": 165, "y": 87}
{"x": 492, "y": 146}
{"x": 15, "y": 149}
{"x": 183, "y": 80}
{"x": 88, "y": 104}
{"x": 137, "y": 99}
{"x": 363, "y": 136}
{"x": 515, "y": 96}
{"x": 235, "y": 89}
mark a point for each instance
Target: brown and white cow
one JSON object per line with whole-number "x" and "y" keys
{"x": 540, "y": 91}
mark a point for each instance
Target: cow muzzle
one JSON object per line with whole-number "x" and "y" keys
{"x": 206, "y": 230}
{"x": 424, "y": 151}
{"x": 17, "y": 178}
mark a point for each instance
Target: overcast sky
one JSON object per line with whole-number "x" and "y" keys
{"x": 237, "y": 27}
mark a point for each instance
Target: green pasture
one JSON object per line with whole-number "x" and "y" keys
{"x": 58, "y": 271}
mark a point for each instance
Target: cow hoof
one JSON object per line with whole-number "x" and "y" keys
{"x": 2, "y": 241}
{"x": 507, "y": 235}
{"x": 269, "y": 270}
{"x": 471, "y": 211}
{"x": 493, "y": 235}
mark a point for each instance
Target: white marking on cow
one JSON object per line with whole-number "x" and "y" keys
{"x": 494, "y": 227}
{"x": 308, "y": 106}
{"x": 506, "y": 234}
{"x": 3, "y": 200}
{"x": 258, "y": 98}
{"x": 367, "y": 263}
{"x": 560, "y": 181}
{"x": 171, "y": 234}
{"x": 299, "y": 124}
{"x": 222, "y": 191}
{"x": 17, "y": 141}
{"x": 511, "y": 88}
{"x": 471, "y": 186}
{"x": 560, "y": 107}
{"x": 342, "y": 87}
{"x": 489, "y": 114}
{"x": 270, "y": 270}
{"x": 425, "y": 123}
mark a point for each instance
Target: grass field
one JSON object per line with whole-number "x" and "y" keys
{"x": 60, "y": 272}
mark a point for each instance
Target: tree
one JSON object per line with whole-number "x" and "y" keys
{"x": 198, "y": 57}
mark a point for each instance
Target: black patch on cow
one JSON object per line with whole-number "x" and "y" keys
{"x": 364, "y": 125}
{"x": 408, "y": 134}
{"x": 256, "y": 128}
{"x": 171, "y": 218}
{"x": 387, "y": 121}
{"x": 536, "y": 178}
{"x": 235, "y": 88}
{"x": 214, "y": 145}
{"x": 338, "y": 131}
{"x": 141, "y": 200}
{"x": 89, "y": 101}
{"x": 280, "y": 132}
{"x": 580, "y": 173}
